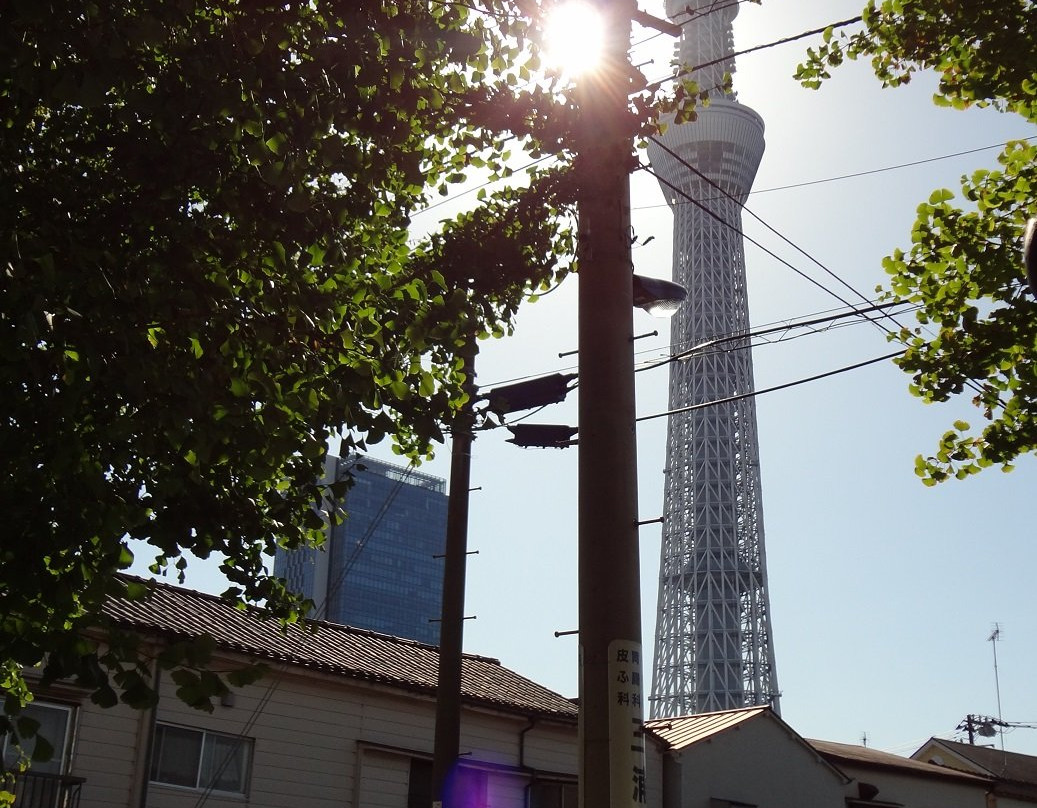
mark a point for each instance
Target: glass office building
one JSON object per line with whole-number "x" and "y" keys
{"x": 381, "y": 568}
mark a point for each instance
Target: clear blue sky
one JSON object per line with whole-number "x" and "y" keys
{"x": 883, "y": 592}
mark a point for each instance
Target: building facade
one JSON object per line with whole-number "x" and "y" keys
{"x": 343, "y": 718}
{"x": 713, "y": 648}
{"x": 381, "y": 567}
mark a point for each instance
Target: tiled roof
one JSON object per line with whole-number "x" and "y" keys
{"x": 1003, "y": 765}
{"x": 838, "y": 753}
{"x": 353, "y": 653}
{"x": 686, "y": 730}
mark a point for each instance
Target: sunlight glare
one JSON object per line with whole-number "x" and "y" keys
{"x": 574, "y": 37}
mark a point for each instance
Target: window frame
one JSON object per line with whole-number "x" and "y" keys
{"x": 62, "y": 751}
{"x": 244, "y": 748}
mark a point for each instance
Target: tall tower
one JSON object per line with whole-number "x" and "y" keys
{"x": 713, "y": 636}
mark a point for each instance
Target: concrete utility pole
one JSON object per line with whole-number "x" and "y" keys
{"x": 451, "y": 630}
{"x": 612, "y": 767}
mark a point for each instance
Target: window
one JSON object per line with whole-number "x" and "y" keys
{"x": 55, "y": 727}
{"x": 553, "y": 795}
{"x": 195, "y": 758}
{"x": 465, "y": 786}
{"x": 419, "y": 784}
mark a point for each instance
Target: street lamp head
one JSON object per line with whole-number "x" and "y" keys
{"x": 658, "y": 297}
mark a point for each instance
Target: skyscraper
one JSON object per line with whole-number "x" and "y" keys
{"x": 379, "y": 568}
{"x": 713, "y": 646}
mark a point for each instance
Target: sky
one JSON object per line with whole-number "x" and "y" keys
{"x": 883, "y": 592}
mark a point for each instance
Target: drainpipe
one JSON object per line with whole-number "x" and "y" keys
{"x": 149, "y": 746}
{"x": 522, "y": 760}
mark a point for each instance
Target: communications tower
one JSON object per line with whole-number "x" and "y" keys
{"x": 713, "y": 633}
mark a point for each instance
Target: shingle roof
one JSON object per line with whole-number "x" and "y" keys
{"x": 863, "y": 755}
{"x": 349, "y": 652}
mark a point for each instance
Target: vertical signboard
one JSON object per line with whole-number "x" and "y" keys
{"x": 626, "y": 724}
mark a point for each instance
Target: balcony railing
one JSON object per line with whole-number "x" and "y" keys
{"x": 39, "y": 790}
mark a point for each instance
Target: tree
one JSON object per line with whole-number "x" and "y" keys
{"x": 207, "y": 274}
{"x": 977, "y": 321}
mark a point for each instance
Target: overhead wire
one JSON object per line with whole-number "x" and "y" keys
{"x": 785, "y": 386}
{"x": 693, "y": 15}
{"x": 713, "y": 346}
{"x": 774, "y": 329}
{"x": 705, "y": 209}
{"x": 974, "y": 385}
{"x": 762, "y": 330}
{"x": 709, "y": 181}
{"x": 655, "y": 85}
{"x": 855, "y": 174}
{"x": 715, "y": 6}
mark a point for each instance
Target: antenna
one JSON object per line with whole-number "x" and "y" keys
{"x": 995, "y": 635}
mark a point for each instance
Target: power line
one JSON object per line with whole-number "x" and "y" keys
{"x": 778, "y": 328}
{"x": 678, "y": 190}
{"x": 971, "y": 383}
{"x": 693, "y": 16}
{"x": 890, "y": 168}
{"x": 655, "y": 85}
{"x": 855, "y": 174}
{"x": 755, "y": 393}
{"x": 762, "y": 330}
{"x": 731, "y": 197}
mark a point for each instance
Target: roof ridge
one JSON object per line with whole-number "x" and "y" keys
{"x": 184, "y": 591}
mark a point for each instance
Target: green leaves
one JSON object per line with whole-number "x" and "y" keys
{"x": 229, "y": 281}
{"x": 977, "y": 322}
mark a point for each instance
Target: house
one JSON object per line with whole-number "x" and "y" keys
{"x": 1015, "y": 775}
{"x": 743, "y": 758}
{"x": 751, "y": 757}
{"x": 344, "y": 717}
{"x": 880, "y": 780}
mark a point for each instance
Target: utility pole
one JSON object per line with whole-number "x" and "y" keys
{"x": 451, "y": 630}
{"x": 612, "y": 768}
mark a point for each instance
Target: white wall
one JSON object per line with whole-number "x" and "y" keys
{"x": 757, "y": 763}
{"x": 318, "y": 741}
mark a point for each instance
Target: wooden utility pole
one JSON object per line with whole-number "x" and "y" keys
{"x": 612, "y": 760}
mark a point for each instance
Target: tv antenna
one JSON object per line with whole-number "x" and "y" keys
{"x": 995, "y": 635}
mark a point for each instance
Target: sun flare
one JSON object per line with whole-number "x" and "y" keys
{"x": 574, "y": 38}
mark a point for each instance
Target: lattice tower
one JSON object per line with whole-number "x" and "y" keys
{"x": 713, "y": 646}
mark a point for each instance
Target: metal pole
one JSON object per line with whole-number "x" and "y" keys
{"x": 451, "y": 628}
{"x": 612, "y": 771}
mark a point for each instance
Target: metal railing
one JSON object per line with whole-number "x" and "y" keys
{"x": 40, "y": 790}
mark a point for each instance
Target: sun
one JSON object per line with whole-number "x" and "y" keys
{"x": 574, "y": 38}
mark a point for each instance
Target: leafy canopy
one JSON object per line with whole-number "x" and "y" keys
{"x": 206, "y": 274}
{"x": 977, "y": 321}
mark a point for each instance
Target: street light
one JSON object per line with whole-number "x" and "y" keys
{"x": 658, "y": 297}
